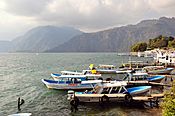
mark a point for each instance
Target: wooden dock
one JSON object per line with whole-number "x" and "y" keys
{"x": 152, "y": 97}
{"x": 142, "y": 98}
{"x": 148, "y": 98}
{"x": 161, "y": 95}
{"x": 148, "y": 101}
{"x": 100, "y": 95}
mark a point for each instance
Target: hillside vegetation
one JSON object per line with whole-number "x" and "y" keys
{"x": 158, "y": 42}
{"x": 168, "y": 104}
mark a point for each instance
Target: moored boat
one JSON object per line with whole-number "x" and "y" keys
{"x": 140, "y": 77}
{"x": 134, "y": 64}
{"x": 158, "y": 70}
{"x": 156, "y": 78}
{"x": 113, "y": 91}
{"x": 66, "y": 83}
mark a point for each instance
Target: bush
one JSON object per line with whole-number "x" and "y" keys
{"x": 168, "y": 104}
{"x": 171, "y": 44}
{"x": 139, "y": 47}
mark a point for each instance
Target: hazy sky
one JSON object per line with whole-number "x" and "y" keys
{"x": 18, "y": 16}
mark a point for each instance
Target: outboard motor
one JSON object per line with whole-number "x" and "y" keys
{"x": 70, "y": 95}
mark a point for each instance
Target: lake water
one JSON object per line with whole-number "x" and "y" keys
{"x": 21, "y": 74}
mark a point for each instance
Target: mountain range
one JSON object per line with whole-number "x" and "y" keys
{"x": 68, "y": 39}
{"x": 43, "y": 38}
{"x": 119, "y": 39}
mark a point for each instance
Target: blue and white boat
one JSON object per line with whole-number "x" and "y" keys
{"x": 67, "y": 83}
{"x": 140, "y": 76}
{"x": 138, "y": 90}
{"x": 158, "y": 70}
{"x": 157, "y": 78}
{"x": 112, "y": 91}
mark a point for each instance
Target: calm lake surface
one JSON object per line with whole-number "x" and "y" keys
{"x": 21, "y": 74}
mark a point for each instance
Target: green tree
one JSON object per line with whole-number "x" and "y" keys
{"x": 170, "y": 38}
{"x": 158, "y": 42}
{"x": 162, "y": 43}
{"x": 139, "y": 47}
{"x": 168, "y": 104}
{"x": 171, "y": 44}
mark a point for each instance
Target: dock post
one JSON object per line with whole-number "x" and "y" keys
{"x": 20, "y": 102}
{"x": 19, "y": 109}
{"x": 74, "y": 104}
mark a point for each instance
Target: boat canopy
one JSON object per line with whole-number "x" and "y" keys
{"x": 106, "y": 66}
{"x": 115, "y": 84}
{"x": 140, "y": 74}
{"x": 135, "y": 61}
{"x": 153, "y": 67}
{"x": 67, "y": 76}
{"x": 73, "y": 76}
{"x": 71, "y": 72}
{"x": 106, "y": 84}
{"x": 123, "y": 71}
{"x": 91, "y": 81}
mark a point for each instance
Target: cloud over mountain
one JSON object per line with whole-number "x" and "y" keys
{"x": 87, "y": 15}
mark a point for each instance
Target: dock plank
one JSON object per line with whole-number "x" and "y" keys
{"x": 100, "y": 95}
{"x": 157, "y": 95}
{"x": 142, "y": 98}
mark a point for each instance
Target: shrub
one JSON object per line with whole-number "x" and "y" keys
{"x": 168, "y": 104}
